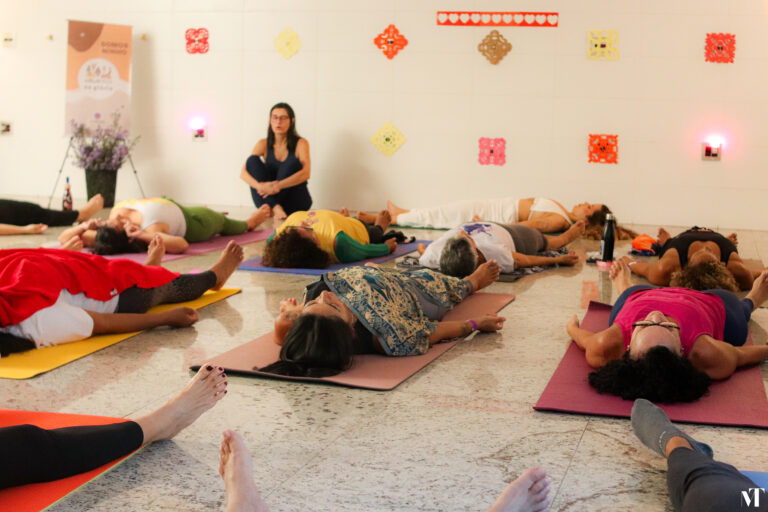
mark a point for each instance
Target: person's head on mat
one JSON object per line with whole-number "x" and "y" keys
{"x": 704, "y": 271}
{"x": 111, "y": 240}
{"x": 591, "y": 213}
{"x": 296, "y": 247}
{"x": 460, "y": 256}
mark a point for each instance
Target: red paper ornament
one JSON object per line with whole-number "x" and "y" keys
{"x": 720, "y": 48}
{"x": 390, "y": 41}
{"x": 492, "y": 151}
{"x": 604, "y": 149}
{"x": 197, "y": 40}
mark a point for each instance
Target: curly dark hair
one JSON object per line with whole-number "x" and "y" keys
{"x": 707, "y": 275}
{"x": 115, "y": 241}
{"x": 315, "y": 346}
{"x": 660, "y": 376}
{"x": 596, "y": 223}
{"x": 458, "y": 258}
{"x": 598, "y": 218}
{"x": 291, "y": 250}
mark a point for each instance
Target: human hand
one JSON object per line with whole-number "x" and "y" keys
{"x": 73, "y": 244}
{"x": 269, "y": 188}
{"x": 490, "y": 323}
{"x": 568, "y": 259}
{"x": 33, "y": 229}
{"x": 287, "y": 303}
{"x": 181, "y": 317}
{"x": 132, "y": 230}
{"x": 392, "y": 244}
{"x": 92, "y": 224}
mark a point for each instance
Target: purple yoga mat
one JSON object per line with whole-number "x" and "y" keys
{"x": 368, "y": 371}
{"x": 255, "y": 265}
{"x": 738, "y": 401}
{"x": 216, "y": 243}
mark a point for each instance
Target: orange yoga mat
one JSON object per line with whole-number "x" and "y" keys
{"x": 35, "y": 497}
{"x": 368, "y": 371}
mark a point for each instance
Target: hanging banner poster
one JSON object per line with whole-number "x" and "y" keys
{"x": 98, "y": 75}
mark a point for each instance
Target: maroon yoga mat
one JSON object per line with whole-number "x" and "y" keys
{"x": 368, "y": 371}
{"x": 739, "y": 400}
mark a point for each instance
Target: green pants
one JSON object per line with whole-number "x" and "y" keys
{"x": 203, "y": 223}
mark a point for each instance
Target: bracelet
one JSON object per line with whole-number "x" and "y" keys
{"x": 473, "y": 324}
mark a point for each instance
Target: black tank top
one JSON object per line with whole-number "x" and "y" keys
{"x": 683, "y": 241}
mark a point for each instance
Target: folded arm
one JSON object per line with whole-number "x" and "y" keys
{"x": 600, "y": 347}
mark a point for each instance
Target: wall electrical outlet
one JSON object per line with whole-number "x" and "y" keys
{"x": 5, "y": 128}
{"x": 710, "y": 152}
{"x": 200, "y": 134}
{"x": 9, "y": 40}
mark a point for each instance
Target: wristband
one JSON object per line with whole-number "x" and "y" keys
{"x": 473, "y": 324}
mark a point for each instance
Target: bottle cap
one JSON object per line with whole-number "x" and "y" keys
{"x": 609, "y": 216}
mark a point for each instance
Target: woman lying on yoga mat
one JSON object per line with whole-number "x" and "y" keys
{"x": 460, "y": 250}
{"x": 667, "y": 344}
{"x": 29, "y": 454}
{"x": 317, "y": 238}
{"x": 53, "y": 296}
{"x": 546, "y": 215}
{"x": 696, "y": 482}
{"x": 699, "y": 259}
{"x": 133, "y": 223}
{"x": 21, "y": 217}
{"x": 360, "y": 310}
{"x": 280, "y": 181}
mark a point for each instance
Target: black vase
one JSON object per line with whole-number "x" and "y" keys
{"x": 101, "y": 182}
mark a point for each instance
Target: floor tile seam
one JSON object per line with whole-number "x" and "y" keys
{"x": 570, "y": 462}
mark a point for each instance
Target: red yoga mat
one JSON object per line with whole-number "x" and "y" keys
{"x": 34, "y": 497}
{"x": 738, "y": 401}
{"x": 368, "y": 371}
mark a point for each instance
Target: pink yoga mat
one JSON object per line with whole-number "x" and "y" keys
{"x": 368, "y": 371}
{"x": 739, "y": 400}
{"x": 216, "y": 243}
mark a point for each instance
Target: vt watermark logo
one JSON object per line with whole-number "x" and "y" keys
{"x": 751, "y": 497}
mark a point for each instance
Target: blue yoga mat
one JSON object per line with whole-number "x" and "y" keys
{"x": 761, "y": 479}
{"x": 255, "y": 265}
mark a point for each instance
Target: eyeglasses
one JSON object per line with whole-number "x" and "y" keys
{"x": 648, "y": 323}
{"x": 280, "y": 118}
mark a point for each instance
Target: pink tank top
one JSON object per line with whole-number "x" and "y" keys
{"x": 696, "y": 313}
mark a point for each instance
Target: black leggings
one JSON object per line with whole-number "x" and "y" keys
{"x": 21, "y": 213}
{"x": 29, "y": 454}
{"x": 183, "y": 288}
{"x": 699, "y": 484}
{"x": 375, "y": 233}
{"x": 292, "y": 199}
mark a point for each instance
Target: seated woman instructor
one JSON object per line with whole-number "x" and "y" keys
{"x": 280, "y": 181}
{"x": 365, "y": 309}
{"x": 667, "y": 344}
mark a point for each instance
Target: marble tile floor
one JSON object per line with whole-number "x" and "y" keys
{"x": 448, "y": 439}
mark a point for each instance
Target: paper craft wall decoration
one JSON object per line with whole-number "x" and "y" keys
{"x": 197, "y": 40}
{"x": 492, "y": 151}
{"x": 287, "y": 43}
{"x": 720, "y": 48}
{"x": 388, "y": 139}
{"x": 390, "y": 41}
{"x": 604, "y": 149}
{"x": 497, "y": 19}
{"x": 494, "y": 47}
{"x": 603, "y": 45}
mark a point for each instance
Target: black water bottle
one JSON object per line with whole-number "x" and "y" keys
{"x": 609, "y": 237}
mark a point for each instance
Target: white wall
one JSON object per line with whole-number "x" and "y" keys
{"x": 544, "y": 98}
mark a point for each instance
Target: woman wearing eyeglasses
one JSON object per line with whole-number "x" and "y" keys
{"x": 668, "y": 344}
{"x": 280, "y": 180}
{"x": 317, "y": 238}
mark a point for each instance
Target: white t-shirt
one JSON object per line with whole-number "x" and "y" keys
{"x": 491, "y": 239}
{"x": 64, "y": 321}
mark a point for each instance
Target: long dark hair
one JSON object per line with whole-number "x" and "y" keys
{"x": 291, "y": 250}
{"x": 315, "y": 346}
{"x": 114, "y": 241}
{"x": 291, "y": 135}
{"x": 659, "y": 376}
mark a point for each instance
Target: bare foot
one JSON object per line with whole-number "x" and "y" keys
{"x": 477, "y": 218}
{"x": 383, "y": 220}
{"x": 733, "y": 237}
{"x": 759, "y": 292}
{"x": 663, "y": 236}
{"x": 278, "y": 213}
{"x": 155, "y": 251}
{"x": 206, "y": 388}
{"x": 484, "y": 275}
{"x": 258, "y": 217}
{"x": 34, "y": 229}
{"x": 394, "y": 211}
{"x": 344, "y": 211}
{"x": 236, "y": 468}
{"x": 92, "y": 207}
{"x": 421, "y": 248}
{"x": 73, "y": 244}
{"x": 230, "y": 258}
{"x": 574, "y": 232}
{"x": 620, "y": 275}
{"x": 367, "y": 218}
{"x": 528, "y": 493}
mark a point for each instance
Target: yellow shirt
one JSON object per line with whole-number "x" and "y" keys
{"x": 327, "y": 224}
